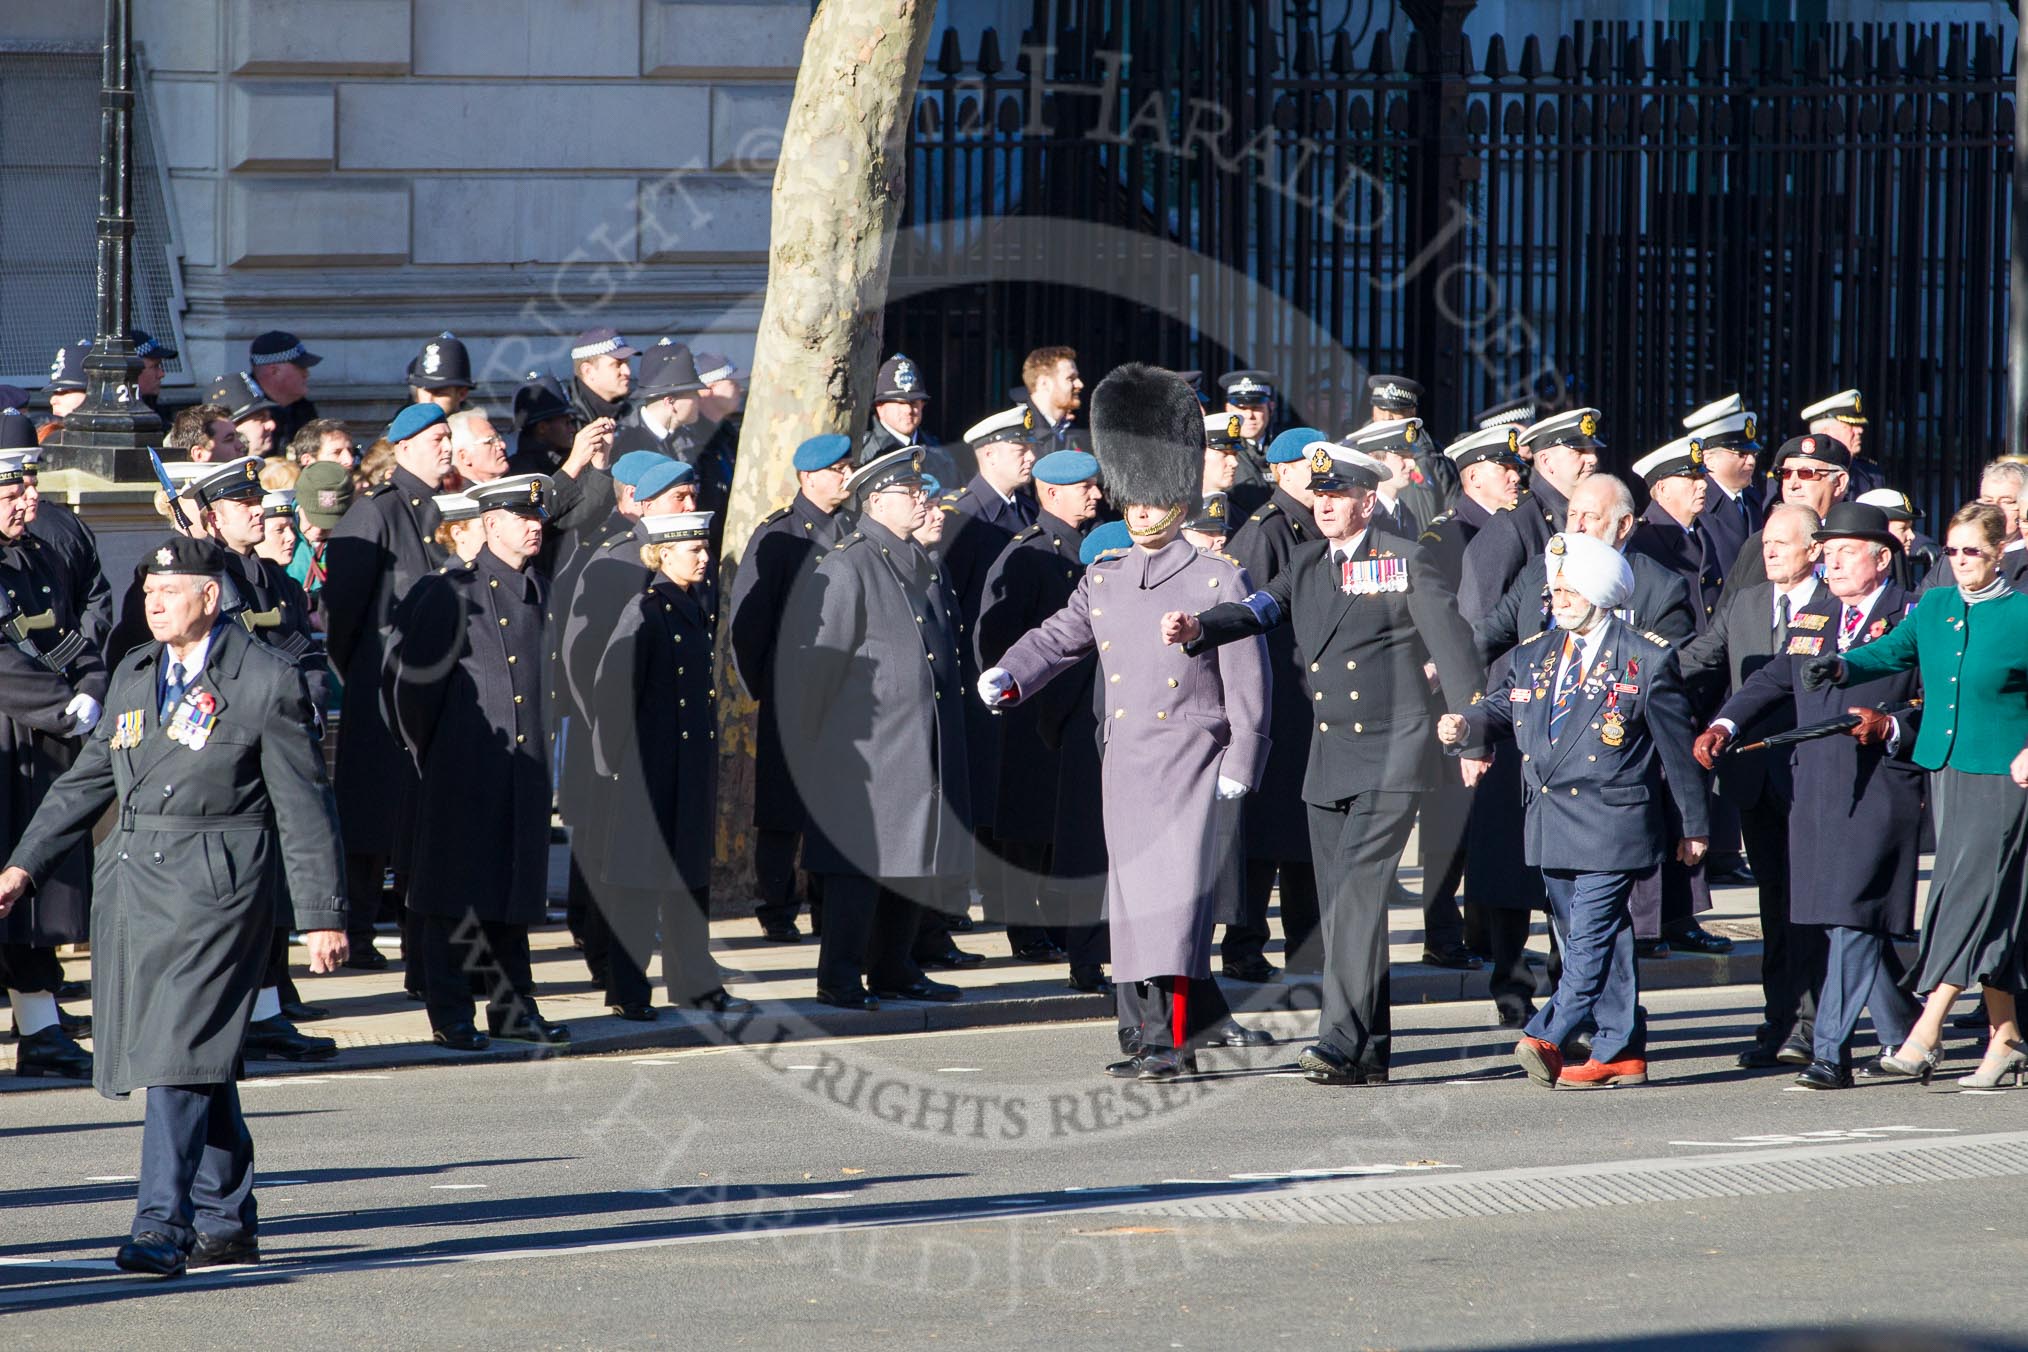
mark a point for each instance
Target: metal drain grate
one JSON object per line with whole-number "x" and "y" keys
{"x": 1385, "y": 1201}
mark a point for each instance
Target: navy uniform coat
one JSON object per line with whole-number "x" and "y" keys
{"x": 60, "y": 528}
{"x": 38, "y": 739}
{"x": 1031, "y": 580}
{"x": 469, "y": 704}
{"x": 781, "y": 555}
{"x": 654, "y": 732}
{"x": 1857, "y": 810}
{"x": 384, "y": 545}
{"x": 1174, "y": 724}
{"x": 979, "y": 524}
{"x": 1446, "y": 537}
{"x": 1594, "y": 808}
{"x": 182, "y": 912}
{"x": 871, "y": 689}
{"x": 1277, "y": 828}
{"x": 594, "y": 591}
{"x": 1504, "y": 546}
{"x": 1688, "y": 554}
{"x": 1725, "y": 525}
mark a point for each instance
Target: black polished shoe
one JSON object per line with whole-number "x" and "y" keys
{"x": 1760, "y": 1056}
{"x": 1454, "y": 956}
{"x": 416, "y": 997}
{"x": 276, "y": 1039}
{"x": 1796, "y": 1051}
{"x": 958, "y": 924}
{"x": 1165, "y": 1064}
{"x": 1257, "y": 971}
{"x": 1324, "y": 1064}
{"x": 76, "y": 1025}
{"x": 1732, "y": 873}
{"x": 1130, "y": 1069}
{"x": 1507, "y": 1016}
{"x": 365, "y": 958}
{"x": 784, "y": 933}
{"x": 1232, "y": 1033}
{"x": 1037, "y": 950}
{"x": 464, "y": 1037}
{"x": 1651, "y": 948}
{"x": 212, "y": 1252}
{"x": 52, "y": 1051}
{"x": 846, "y": 999}
{"x": 1824, "y": 1075}
{"x": 951, "y": 957}
{"x": 151, "y": 1253}
{"x": 529, "y": 1027}
{"x": 295, "y": 1011}
{"x": 1090, "y": 980}
{"x": 1697, "y": 939}
{"x": 641, "y": 1013}
{"x": 924, "y": 989}
{"x": 74, "y": 990}
{"x": 721, "y": 1001}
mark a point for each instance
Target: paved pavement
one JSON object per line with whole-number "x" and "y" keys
{"x": 376, "y": 1026}
{"x": 987, "y": 1188}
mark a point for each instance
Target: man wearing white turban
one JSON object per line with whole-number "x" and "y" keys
{"x": 1596, "y": 710}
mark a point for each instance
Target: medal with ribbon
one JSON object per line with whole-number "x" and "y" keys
{"x": 191, "y": 725}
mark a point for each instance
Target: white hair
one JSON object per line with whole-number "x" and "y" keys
{"x": 461, "y": 422}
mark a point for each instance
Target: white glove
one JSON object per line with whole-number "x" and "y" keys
{"x": 1229, "y": 789}
{"x": 86, "y": 711}
{"x": 995, "y": 684}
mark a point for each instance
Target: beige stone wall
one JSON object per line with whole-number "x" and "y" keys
{"x": 369, "y": 172}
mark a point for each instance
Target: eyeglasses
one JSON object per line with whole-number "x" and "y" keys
{"x": 1805, "y": 473}
{"x": 1953, "y": 551}
{"x": 915, "y": 491}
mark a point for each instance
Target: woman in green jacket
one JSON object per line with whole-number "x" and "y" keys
{"x": 1971, "y": 642}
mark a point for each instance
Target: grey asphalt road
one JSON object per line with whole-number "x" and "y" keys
{"x": 989, "y": 1189}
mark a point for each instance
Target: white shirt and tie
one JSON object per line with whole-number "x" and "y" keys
{"x": 177, "y": 676}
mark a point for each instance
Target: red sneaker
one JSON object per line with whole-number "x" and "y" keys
{"x": 1542, "y": 1060}
{"x": 1596, "y": 1074}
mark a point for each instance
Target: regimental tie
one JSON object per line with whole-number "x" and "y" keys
{"x": 172, "y": 689}
{"x": 1566, "y": 684}
{"x": 1781, "y": 622}
{"x": 1848, "y": 627}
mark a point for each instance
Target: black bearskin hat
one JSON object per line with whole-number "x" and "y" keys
{"x": 1147, "y": 430}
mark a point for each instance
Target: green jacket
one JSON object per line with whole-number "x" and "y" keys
{"x": 1974, "y": 678}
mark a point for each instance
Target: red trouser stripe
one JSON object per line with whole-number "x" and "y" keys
{"x": 1180, "y": 1016}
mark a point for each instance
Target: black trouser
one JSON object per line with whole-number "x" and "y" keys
{"x": 1080, "y": 903}
{"x": 1444, "y": 814}
{"x": 581, "y": 914}
{"x": 1024, "y": 882}
{"x": 933, "y": 922}
{"x": 1355, "y": 844}
{"x": 278, "y": 966}
{"x": 1791, "y": 956}
{"x": 365, "y": 885}
{"x": 774, "y": 876}
{"x": 460, "y": 952}
{"x": 1247, "y": 940}
{"x": 1508, "y": 977}
{"x": 635, "y": 917}
{"x": 869, "y": 928}
{"x": 197, "y": 1165}
{"x": 30, "y": 968}
{"x": 1167, "y": 1012}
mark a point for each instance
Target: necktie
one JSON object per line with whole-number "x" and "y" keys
{"x": 1781, "y": 623}
{"x": 1745, "y": 513}
{"x": 172, "y": 689}
{"x": 1848, "y": 628}
{"x": 1566, "y": 685}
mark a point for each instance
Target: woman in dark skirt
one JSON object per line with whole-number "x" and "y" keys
{"x": 1971, "y": 642}
{"x": 654, "y": 735}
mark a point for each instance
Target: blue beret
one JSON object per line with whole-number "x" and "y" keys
{"x": 661, "y": 478}
{"x": 1288, "y": 448}
{"x": 822, "y": 452}
{"x": 629, "y": 468}
{"x": 932, "y": 485}
{"x": 412, "y": 420}
{"x": 1112, "y": 535}
{"x": 1067, "y": 467}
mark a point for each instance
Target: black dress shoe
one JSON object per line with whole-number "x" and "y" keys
{"x": 276, "y": 1039}
{"x": 295, "y": 1011}
{"x": 1130, "y": 1069}
{"x": 959, "y": 924}
{"x": 721, "y": 1001}
{"x": 1974, "y": 1022}
{"x": 51, "y": 1051}
{"x": 1760, "y": 1056}
{"x": 529, "y": 1027}
{"x": 952, "y": 957}
{"x": 1824, "y": 1075}
{"x": 1735, "y": 874}
{"x": 366, "y": 958}
{"x": 1257, "y": 971}
{"x": 1697, "y": 939}
{"x": 1797, "y": 1050}
{"x": 76, "y": 1025}
{"x": 1651, "y": 948}
{"x": 1324, "y": 1064}
{"x": 209, "y": 1251}
{"x": 1454, "y": 956}
{"x": 152, "y": 1253}
{"x": 414, "y": 996}
{"x": 73, "y": 990}
{"x": 846, "y": 999}
{"x": 641, "y": 1013}
{"x": 1232, "y": 1033}
{"x": 924, "y": 989}
{"x": 785, "y": 933}
{"x": 1163, "y": 1064}
{"x": 1507, "y": 1016}
{"x": 1091, "y": 980}
{"x": 1038, "y": 950}
{"x": 463, "y": 1038}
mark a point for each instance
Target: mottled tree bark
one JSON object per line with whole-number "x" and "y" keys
{"x": 837, "y": 197}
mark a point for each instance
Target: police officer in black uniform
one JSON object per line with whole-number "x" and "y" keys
{"x": 601, "y": 382}
{"x": 440, "y": 373}
{"x": 1433, "y": 486}
{"x": 899, "y": 397}
{"x": 60, "y": 528}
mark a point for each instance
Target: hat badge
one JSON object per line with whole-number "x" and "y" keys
{"x": 1320, "y": 460}
{"x": 327, "y": 498}
{"x": 252, "y": 470}
{"x": 534, "y": 490}
{"x": 1232, "y": 426}
{"x": 1855, "y": 405}
{"x": 1556, "y": 545}
{"x": 1587, "y": 425}
{"x": 1809, "y": 445}
{"x": 433, "y": 359}
{"x": 1696, "y": 451}
{"x": 1749, "y": 428}
{"x": 915, "y": 462}
{"x": 56, "y": 366}
{"x": 904, "y": 375}
{"x": 1028, "y": 418}
{"x": 1408, "y": 434}
{"x": 163, "y": 557}
{"x": 1513, "y": 438}
{"x": 1216, "y": 509}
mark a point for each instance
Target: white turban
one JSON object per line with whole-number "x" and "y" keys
{"x": 1591, "y": 568}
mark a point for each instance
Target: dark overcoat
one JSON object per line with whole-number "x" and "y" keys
{"x": 66, "y": 533}
{"x": 655, "y": 740}
{"x": 1504, "y": 545}
{"x": 468, "y": 698}
{"x": 594, "y": 589}
{"x": 978, "y": 526}
{"x": 182, "y": 915}
{"x": 1030, "y": 581}
{"x": 871, "y": 691}
{"x": 1276, "y": 827}
{"x": 1688, "y": 554}
{"x": 383, "y": 546}
{"x": 1857, "y": 811}
{"x": 1728, "y": 523}
{"x": 781, "y": 556}
{"x": 1740, "y": 641}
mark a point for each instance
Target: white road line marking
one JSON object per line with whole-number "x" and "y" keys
{"x": 455, "y": 1187}
{"x": 957, "y": 1070}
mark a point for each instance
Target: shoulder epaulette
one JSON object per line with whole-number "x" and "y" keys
{"x": 776, "y": 515}
{"x": 384, "y": 486}
{"x": 1655, "y": 638}
{"x": 1533, "y": 638}
{"x": 1108, "y": 555}
{"x": 1212, "y": 553}
{"x": 1266, "y": 510}
{"x": 1028, "y": 533}
{"x": 955, "y": 496}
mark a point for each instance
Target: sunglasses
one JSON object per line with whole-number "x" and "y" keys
{"x": 1953, "y": 551}
{"x": 1805, "y": 473}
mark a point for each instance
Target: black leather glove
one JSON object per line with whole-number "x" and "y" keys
{"x": 1819, "y": 672}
